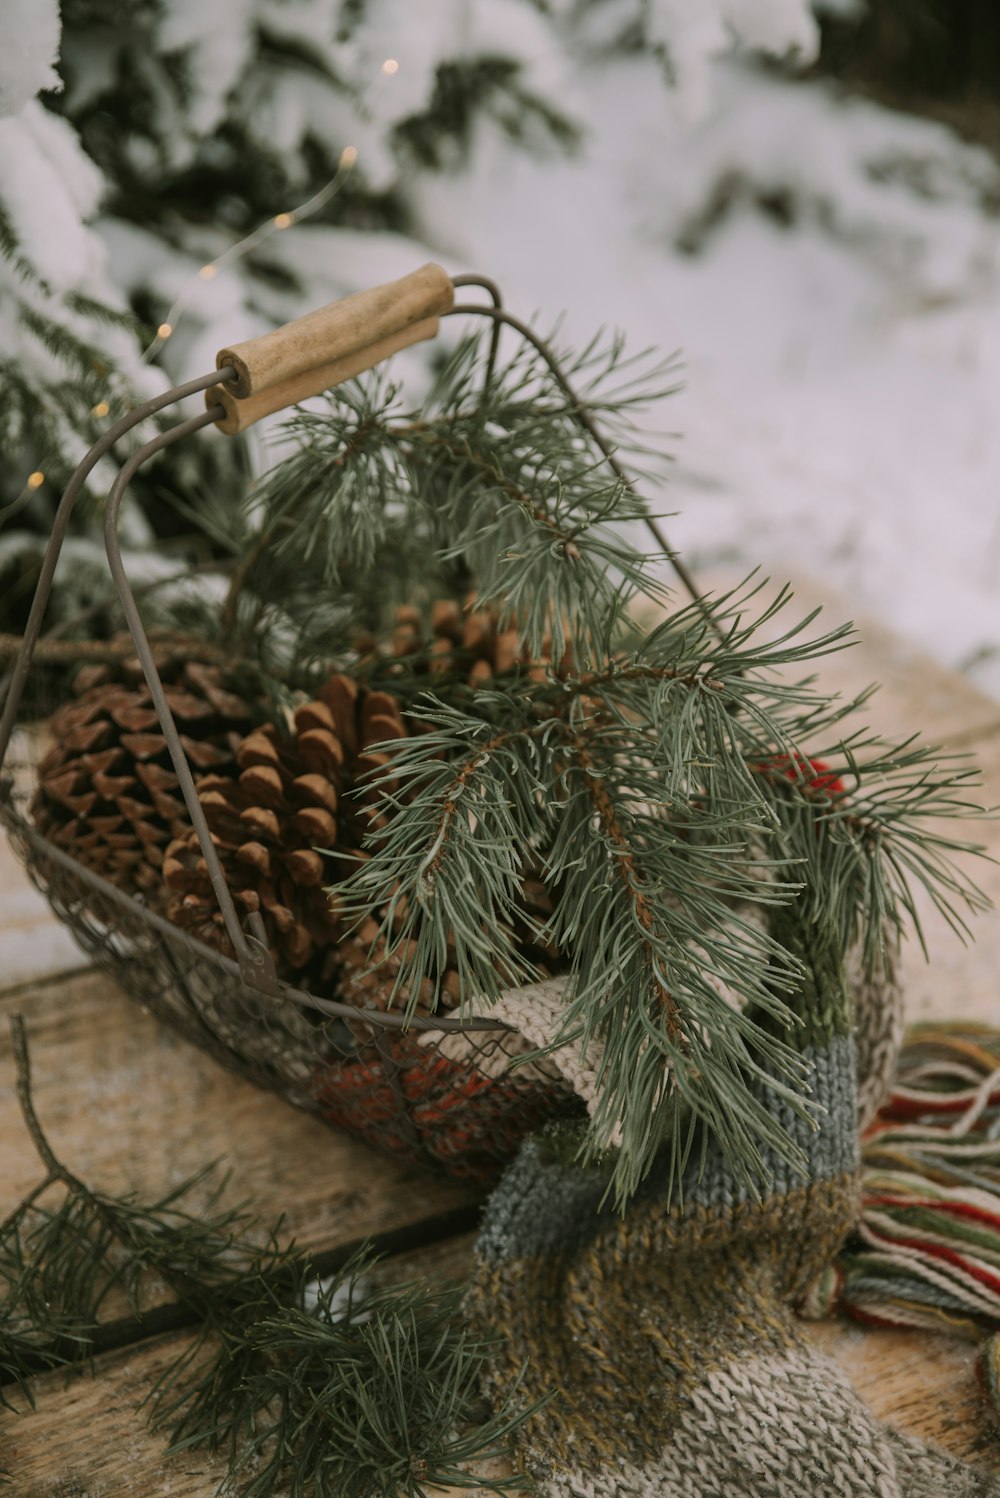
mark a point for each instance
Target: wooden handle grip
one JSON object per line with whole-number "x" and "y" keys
{"x": 337, "y": 331}
{"x": 241, "y": 414}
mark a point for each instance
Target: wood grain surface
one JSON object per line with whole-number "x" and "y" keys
{"x": 131, "y": 1106}
{"x": 87, "y": 1436}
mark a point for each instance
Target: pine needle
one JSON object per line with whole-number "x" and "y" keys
{"x": 310, "y": 1387}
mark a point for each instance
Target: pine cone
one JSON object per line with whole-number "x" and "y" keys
{"x": 284, "y": 799}
{"x": 107, "y": 791}
{"x": 367, "y": 974}
{"x": 279, "y": 824}
{"x": 464, "y": 640}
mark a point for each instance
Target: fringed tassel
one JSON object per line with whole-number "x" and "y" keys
{"x": 927, "y": 1249}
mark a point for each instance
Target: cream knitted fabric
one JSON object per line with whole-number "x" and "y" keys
{"x": 532, "y": 1012}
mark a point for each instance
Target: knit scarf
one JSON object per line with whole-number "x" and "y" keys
{"x": 669, "y": 1334}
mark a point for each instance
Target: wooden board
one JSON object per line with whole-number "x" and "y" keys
{"x": 131, "y": 1106}
{"x": 88, "y": 1436}
{"x": 33, "y": 941}
{"x": 919, "y": 1382}
{"x": 962, "y": 979}
{"x": 88, "y": 1433}
{"x": 916, "y": 695}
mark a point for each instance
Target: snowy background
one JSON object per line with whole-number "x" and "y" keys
{"x": 829, "y": 269}
{"x": 841, "y": 371}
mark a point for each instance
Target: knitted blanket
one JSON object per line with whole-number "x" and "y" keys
{"x": 668, "y": 1336}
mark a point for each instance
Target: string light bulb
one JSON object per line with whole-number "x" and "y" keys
{"x": 208, "y": 271}
{"x": 390, "y": 66}
{"x": 272, "y": 225}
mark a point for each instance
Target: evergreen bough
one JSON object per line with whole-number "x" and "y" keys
{"x": 665, "y": 777}
{"x": 310, "y": 1381}
{"x": 674, "y": 780}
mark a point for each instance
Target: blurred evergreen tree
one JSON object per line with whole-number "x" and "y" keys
{"x": 935, "y": 57}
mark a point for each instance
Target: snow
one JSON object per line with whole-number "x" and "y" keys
{"x": 829, "y": 268}
{"x": 839, "y": 411}
{"x": 48, "y": 185}
{"x": 29, "y": 47}
{"x": 49, "y": 190}
{"x": 383, "y": 31}
{"x": 220, "y": 43}
{"x": 692, "y": 36}
{"x": 780, "y": 27}
{"x": 34, "y": 943}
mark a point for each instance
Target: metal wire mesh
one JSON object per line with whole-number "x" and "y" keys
{"x": 448, "y": 1100}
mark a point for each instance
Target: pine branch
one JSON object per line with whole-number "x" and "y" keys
{"x": 346, "y": 1385}
{"x": 10, "y": 249}
{"x": 506, "y": 489}
{"x": 83, "y": 358}
{"x": 375, "y": 1390}
{"x": 105, "y": 316}
{"x": 667, "y": 796}
{"x": 465, "y": 88}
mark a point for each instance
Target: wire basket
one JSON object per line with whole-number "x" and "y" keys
{"x": 441, "y": 1093}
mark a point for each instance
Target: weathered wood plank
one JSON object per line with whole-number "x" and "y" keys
{"x": 129, "y": 1105}
{"x": 921, "y": 1383}
{"x": 962, "y": 981}
{"x": 33, "y": 941}
{"x": 87, "y": 1436}
{"x": 916, "y": 695}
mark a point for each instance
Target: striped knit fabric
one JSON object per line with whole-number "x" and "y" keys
{"x": 669, "y": 1333}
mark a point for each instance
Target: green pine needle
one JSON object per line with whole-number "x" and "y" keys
{"x": 347, "y": 1386}
{"x": 650, "y": 775}
{"x": 663, "y": 796}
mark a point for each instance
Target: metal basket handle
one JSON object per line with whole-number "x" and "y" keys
{"x": 254, "y": 379}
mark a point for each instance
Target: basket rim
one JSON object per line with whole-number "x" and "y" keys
{"x": 33, "y": 847}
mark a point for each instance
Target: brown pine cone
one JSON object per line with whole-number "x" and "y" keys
{"x": 366, "y": 974}
{"x": 463, "y": 640}
{"x": 107, "y": 792}
{"x": 285, "y": 798}
{"x": 283, "y": 829}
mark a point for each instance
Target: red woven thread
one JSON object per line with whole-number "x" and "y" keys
{"x": 947, "y": 1256}
{"x": 903, "y": 1105}
{"x": 467, "y": 1121}
{"x": 958, "y": 1209}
